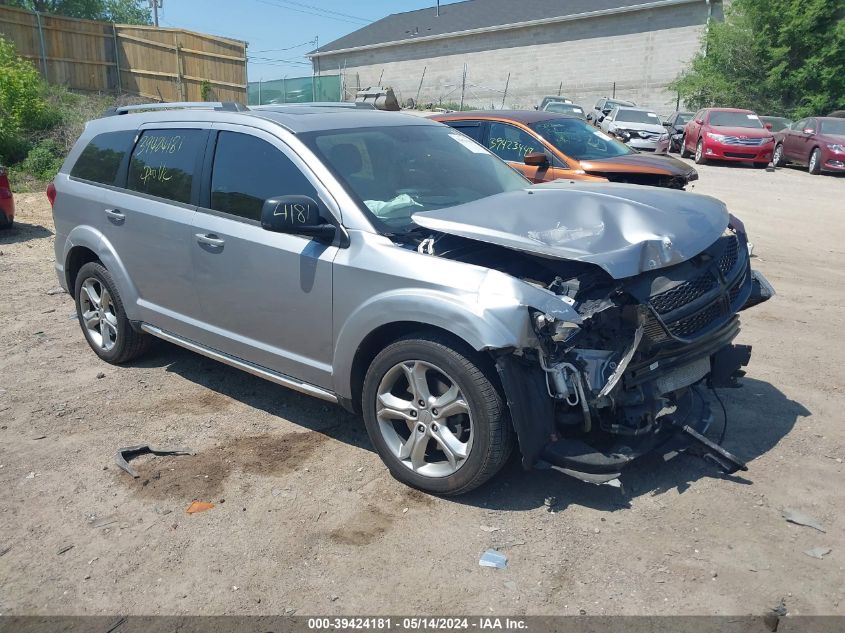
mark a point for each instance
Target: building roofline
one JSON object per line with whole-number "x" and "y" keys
{"x": 654, "y": 4}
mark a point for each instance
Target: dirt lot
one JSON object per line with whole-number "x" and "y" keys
{"x": 308, "y": 520}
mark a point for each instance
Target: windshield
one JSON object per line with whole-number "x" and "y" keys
{"x": 580, "y": 140}
{"x": 735, "y": 119}
{"x": 683, "y": 118}
{"x": 565, "y": 108}
{"x": 396, "y": 171}
{"x": 610, "y": 104}
{"x": 637, "y": 116}
{"x": 832, "y": 126}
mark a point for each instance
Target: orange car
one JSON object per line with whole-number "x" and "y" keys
{"x": 546, "y": 146}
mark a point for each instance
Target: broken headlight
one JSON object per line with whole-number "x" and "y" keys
{"x": 557, "y": 330}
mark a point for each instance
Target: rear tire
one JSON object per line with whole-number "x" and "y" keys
{"x": 777, "y": 156}
{"x": 99, "y": 309}
{"x": 426, "y": 448}
{"x": 815, "y": 164}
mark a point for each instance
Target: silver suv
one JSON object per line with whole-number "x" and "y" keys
{"x": 394, "y": 265}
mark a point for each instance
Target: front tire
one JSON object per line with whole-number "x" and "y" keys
{"x": 99, "y": 309}
{"x": 699, "y": 153}
{"x": 434, "y": 415}
{"x": 815, "y": 164}
{"x": 684, "y": 151}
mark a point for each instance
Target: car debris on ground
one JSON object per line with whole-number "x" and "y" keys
{"x": 492, "y": 558}
{"x": 799, "y": 518}
{"x": 818, "y": 552}
{"x": 131, "y": 452}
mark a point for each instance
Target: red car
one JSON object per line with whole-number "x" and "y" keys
{"x": 727, "y": 134}
{"x": 7, "y": 202}
{"x": 817, "y": 142}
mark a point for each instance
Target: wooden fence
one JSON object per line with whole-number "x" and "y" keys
{"x": 156, "y": 63}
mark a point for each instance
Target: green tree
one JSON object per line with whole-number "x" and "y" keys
{"x": 22, "y": 104}
{"x": 120, "y": 11}
{"x": 774, "y": 56}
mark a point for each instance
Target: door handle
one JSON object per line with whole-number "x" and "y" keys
{"x": 210, "y": 239}
{"x": 114, "y": 214}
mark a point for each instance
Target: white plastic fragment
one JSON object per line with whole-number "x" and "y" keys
{"x": 818, "y": 552}
{"x": 492, "y": 558}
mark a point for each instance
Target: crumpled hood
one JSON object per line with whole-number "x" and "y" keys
{"x": 624, "y": 229}
{"x": 655, "y": 128}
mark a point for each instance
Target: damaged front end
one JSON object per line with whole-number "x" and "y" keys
{"x": 653, "y": 298}
{"x": 594, "y": 396}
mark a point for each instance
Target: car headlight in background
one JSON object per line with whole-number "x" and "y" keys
{"x": 837, "y": 147}
{"x": 719, "y": 138}
{"x": 664, "y": 137}
{"x": 770, "y": 139}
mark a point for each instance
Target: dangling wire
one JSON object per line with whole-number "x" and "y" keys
{"x": 724, "y": 414}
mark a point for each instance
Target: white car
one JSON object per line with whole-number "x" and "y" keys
{"x": 638, "y": 127}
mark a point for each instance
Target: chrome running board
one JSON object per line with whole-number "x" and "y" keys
{"x": 250, "y": 368}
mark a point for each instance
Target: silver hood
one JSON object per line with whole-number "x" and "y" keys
{"x": 624, "y": 229}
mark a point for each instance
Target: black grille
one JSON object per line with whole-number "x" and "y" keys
{"x": 688, "y": 327}
{"x": 728, "y": 258}
{"x": 683, "y": 294}
{"x": 736, "y": 289}
{"x": 738, "y": 155}
{"x": 653, "y": 330}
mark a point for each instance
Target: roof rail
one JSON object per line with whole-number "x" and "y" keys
{"x": 352, "y": 105}
{"x": 225, "y": 106}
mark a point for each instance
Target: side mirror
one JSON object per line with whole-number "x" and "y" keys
{"x": 700, "y": 121}
{"x": 536, "y": 158}
{"x": 768, "y": 126}
{"x": 601, "y": 118}
{"x": 809, "y": 130}
{"x": 298, "y": 215}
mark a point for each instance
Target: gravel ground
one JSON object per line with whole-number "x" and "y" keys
{"x": 307, "y": 519}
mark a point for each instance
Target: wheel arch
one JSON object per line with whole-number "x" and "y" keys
{"x": 76, "y": 258}
{"x": 85, "y": 244}
{"x": 387, "y": 333}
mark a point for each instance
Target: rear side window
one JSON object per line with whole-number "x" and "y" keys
{"x": 101, "y": 159}
{"x": 164, "y": 163}
{"x": 247, "y": 171}
{"x": 472, "y": 130}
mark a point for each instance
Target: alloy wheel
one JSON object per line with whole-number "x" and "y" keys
{"x": 99, "y": 315}
{"x": 424, "y": 418}
{"x": 778, "y": 156}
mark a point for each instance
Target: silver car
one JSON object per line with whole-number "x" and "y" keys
{"x": 639, "y": 128}
{"x": 395, "y": 266}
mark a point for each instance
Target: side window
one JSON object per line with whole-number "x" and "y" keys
{"x": 101, "y": 159}
{"x": 800, "y": 125}
{"x": 164, "y": 163}
{"x": 810, "y": 125}
{"x": 247, "y": 171}
{"x": 510, "y": 143}
{"x": 472, "y": 129}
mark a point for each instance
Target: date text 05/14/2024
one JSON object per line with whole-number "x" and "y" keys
{"x": 416, "y": 624}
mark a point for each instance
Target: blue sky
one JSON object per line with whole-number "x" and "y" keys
{"x": 273, "y": 25}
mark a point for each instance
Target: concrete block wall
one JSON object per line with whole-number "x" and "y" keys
{"x": 641, "y": 51}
